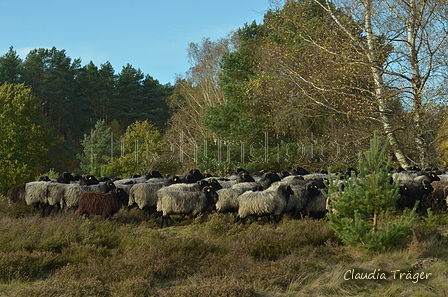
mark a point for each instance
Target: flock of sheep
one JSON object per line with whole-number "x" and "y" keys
{"x": 298, "y": 193}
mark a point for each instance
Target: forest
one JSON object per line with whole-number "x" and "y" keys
{"x": 307, "y": 86}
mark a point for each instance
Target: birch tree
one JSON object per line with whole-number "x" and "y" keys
{"x": 416, "y": 30}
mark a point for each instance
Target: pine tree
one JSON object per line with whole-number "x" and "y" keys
{"x": 359, "y": 207}
{"x": 96, "y": 150}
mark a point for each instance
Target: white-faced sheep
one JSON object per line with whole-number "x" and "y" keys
{"x": 144, "y": 195}
{"x": 105, "y": 204}
{"x": 260, "y": 203}
{"x": 185, "y": 203}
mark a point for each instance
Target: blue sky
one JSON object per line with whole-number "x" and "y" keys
{"x": 152, "y": 35}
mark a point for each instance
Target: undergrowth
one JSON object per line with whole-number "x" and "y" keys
{"x": 128, "y": 255}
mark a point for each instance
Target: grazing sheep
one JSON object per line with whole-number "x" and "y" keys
{"x": 105, "y": 204}
{"x": 144, "y": 195}
{"x": 269, "y": 202}
{"x": 185, "y": 203}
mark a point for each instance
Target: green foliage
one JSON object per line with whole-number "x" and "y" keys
{"x": 140, "y": 150}
{"x": 359, "y": 206}
{"x": 97, "y": 148}
{"x": 52, "y": 174}
{"x": 24, "y": 138}
{"x": 73, "y": 97}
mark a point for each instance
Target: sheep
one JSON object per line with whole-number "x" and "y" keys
{"x": 105, "y": 204}
{"x": 144, "y": 195}
{"x": 135, "y": 179}
{"x": 16, "y": 195}
{"x": 316, "y": 206}
{"x": 192, "y": 176}
{"x": 269, "y": 202}
{"x": 88, "y": 180}
{"x": 227, "y": 199}
{"x": 242, "y": 177}
{"x": 299, "y": 171}
{"x": 437, "y": 199}
{"x": 197, "y": 186}
{"x": 71, "y": 194}
{"x": 185, "y": 203}
{"x": 413, "y": 191}
{"x": 55, "y": 194}
{"x": 304, "y": 190}
{"x": 36, "y": 193}
{"x": 268, "y": 178}
{"x": 65, "y": 178}
{"x": 428, "y": 176}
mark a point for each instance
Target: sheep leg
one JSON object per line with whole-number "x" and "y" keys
{"x": 50, "y": 208}
{"x": 277, "y": 220}
{"x": 165, "y": 219}
{"x": 161, "y": 222}
{"x": 44, "y": 208}
{"x": 181, "y": 218}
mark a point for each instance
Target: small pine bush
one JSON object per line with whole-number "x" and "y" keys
{"x": 359, "y": 206}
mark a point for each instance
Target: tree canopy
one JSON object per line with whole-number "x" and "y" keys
{"x": 25, "y": 138}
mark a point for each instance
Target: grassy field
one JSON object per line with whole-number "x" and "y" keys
{"x": 128, "y": 255}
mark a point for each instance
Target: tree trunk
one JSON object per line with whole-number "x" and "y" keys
{"x": 375, "y": 222}
{"x": 380, "y": 88}
{"x": 416, "y": 82}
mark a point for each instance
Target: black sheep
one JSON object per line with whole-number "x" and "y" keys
{"x": 104, "y": 204}
{"x": 413, "y": 191}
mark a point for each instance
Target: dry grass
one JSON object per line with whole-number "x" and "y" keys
{"x": 128, "y": 255}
